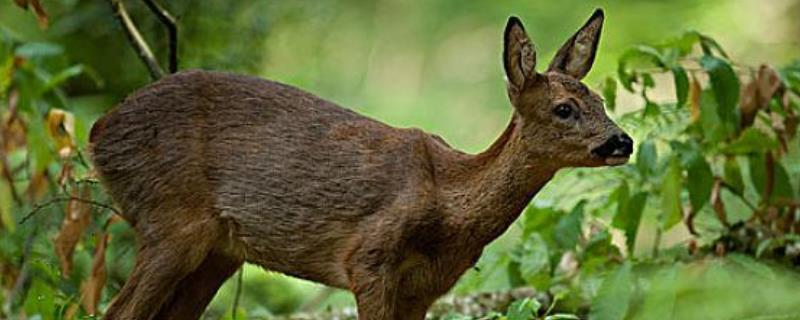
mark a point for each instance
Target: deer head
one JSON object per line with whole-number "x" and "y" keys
{"x": 561, "y": 119}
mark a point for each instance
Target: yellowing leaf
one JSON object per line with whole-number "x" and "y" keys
{"x": 61, "y": 128}
{"x": 76, "y": 219}
{"x": 92, "y": 288}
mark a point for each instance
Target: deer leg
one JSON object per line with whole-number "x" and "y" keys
{"x": 196, "y": 290}
{"x": 160, "y": 265}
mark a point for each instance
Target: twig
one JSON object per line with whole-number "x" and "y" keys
{"x": 41, "y": 206}
{"x": 239, "y": 279}
{"x": 172, "y": 31}
{"x": 141, "y": 47}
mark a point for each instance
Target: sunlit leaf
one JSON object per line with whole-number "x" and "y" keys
{"x": 733, "y": 175}
{"x": 661, "y": 296}
{"x": 524, "y": 309}
{"x": 671, "y": 212}
{"x": 568, "y": 229}
{"x": 613, "y": 299}
{"x": 629, "y": 215}
{"x": 646, "y": 157}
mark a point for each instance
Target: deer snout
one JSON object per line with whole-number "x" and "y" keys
{"x": 615, "y": 150}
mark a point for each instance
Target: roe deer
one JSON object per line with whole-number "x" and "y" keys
{"x": 215, "y": 169}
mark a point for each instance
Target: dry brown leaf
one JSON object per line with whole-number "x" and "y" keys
{"x": 769, "y": 84}
{"x": 689, "y": 213}
{"x": 716, "y": 202}
{"x": 41, "y": 15}
{"x": 695, "y": 91}
{"x": 37, "y": 187}
{"x": 22, "y": 4}
{"x": 748, "y": 105}
{"x": 76, "y": 219}
{"x": 61, "y": 128}
{"x": 92, "y": 288}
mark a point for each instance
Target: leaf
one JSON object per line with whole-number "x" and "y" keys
{"x": 700, "y": 181}
{"x": 768, "y": 83}
{"x": 524, "y": 309}
{"x": 38, "y": 50}
{"x": 613, "y": 298}
{"x": 61, "y": 129}
{"x": 782, "y": 188}
{"x": 610, "y": 93}
{"x": 671, "y": 212}
{"x": 629, "y": 215}
{"x": 733, "y": 175}
{"x": 717, "y": 204}
{"x": 748, "y": 106}
{"x": 646, "y": 158}
{"x": 752, "y": 140}
{"x": 92, "y": 288}
{"x": 725, "y": 85}
{"x": 660, "y": 298}
{"x": 7, "y": 224}
{"x": 76, "y": 218}
{"x": 695, "y": 93}
{"x": 681, "y": 85}
{"x": 568, "y": 229}
{"x": 533, "y": 260}
{"x": 562, "y": 316}
{"x": 753, "y": 266}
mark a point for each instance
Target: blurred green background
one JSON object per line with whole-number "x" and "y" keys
{"x": 430, "y": 64}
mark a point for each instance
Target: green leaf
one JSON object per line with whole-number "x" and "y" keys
{"x": 568, "y": 229}
{"x": 629, "y": 216}
{"x": 671, "y": 212}
{"x": 681, "y": 85}
{"x": 613, "y": 298}
{"x": 6, "y": 199}
{"x": 533, "y": 260}
{"x": 782, "y": 189}
{"x": 39, "y": 49}
{"x": 733, "y": 175}
{"x": 752, "y": 140}
{"x": 700, "y": 182}
{"x": 524, "y": 309}
{"x": 725, "y": 85}
{"x": 62, "y": 76}
{"x": 660, "y": 297}
{"x": 713, "y": 129}
{"x": 610, "y": 93}
{"x": 562, "y": 316}
{"x": 758, "y": 172}
{"x": 646, "y": 158}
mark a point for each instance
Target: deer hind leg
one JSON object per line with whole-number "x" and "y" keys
{"x": 166, "y": 255}
{"x": 196, "y": 290}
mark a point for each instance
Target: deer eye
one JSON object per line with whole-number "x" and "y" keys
{"x": 563, "y": 110}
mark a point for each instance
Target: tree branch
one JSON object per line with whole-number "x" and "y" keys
{"x": 41, "y": 206}
{"x": 172, "y": 31}
{"x": 135, "y": 38}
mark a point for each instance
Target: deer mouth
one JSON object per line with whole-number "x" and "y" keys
{"x": 615, "y": 151}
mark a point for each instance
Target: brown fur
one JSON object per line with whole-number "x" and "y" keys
{"x": 215, "y": 169}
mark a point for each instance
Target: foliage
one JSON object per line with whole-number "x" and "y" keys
{"x": 715, "y": 174}
{"x": 705, "y": 215}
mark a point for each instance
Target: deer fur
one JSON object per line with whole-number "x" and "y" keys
{"x": 215, "y": 169}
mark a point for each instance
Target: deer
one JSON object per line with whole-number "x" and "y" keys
{"x": 213, "y": 170}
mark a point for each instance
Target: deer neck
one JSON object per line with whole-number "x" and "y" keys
{"x": 491, "y": 189}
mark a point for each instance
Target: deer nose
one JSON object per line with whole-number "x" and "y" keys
{"x": 619, "y": 145}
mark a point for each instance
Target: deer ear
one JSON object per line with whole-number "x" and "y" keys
{"x": 519, "y": 55}
{"x": 576, "y": 56}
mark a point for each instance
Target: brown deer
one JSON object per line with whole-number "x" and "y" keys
{"x": 215, "y": 169}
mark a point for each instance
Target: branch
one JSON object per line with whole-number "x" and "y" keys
{"x": 144, "y": 52}
{"x": 172, "y": 31}
{"x": 41, "y": 206}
